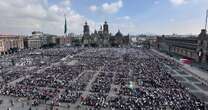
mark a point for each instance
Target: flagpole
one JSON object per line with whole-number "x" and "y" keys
{"x": 65, "y": 26}
{"x": 206, "y": 19}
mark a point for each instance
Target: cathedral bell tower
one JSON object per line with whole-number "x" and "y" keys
{"x": 105, "y": 28}
{"x": 86, "y": 29}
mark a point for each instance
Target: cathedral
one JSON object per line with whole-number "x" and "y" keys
{"x": 103, "y": 38}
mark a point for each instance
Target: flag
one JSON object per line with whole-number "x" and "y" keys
{"x": 65, "y": 26}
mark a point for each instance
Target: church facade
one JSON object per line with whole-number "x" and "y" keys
{"x": 103, "y": 38}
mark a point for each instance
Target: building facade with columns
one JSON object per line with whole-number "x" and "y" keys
{"x": 40, "y": 39}
{"x": 195, "y": 48}
{"x": 10, "y": 43}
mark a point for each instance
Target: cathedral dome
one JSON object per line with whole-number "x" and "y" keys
{"x": 119, "y": 34}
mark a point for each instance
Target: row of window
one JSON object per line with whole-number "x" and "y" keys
{"x": 184, "y": 52}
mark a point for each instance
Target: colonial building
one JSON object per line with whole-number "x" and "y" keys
{"x": 62, "y": 40}
{"x": 10, "y": 43}
{"x": 195, "y": 48}
{"x": 103, "y": 38}
{"x": 119, "y": 40}
{"x": 40, "y": 39}
{"x": 36, "y": 40}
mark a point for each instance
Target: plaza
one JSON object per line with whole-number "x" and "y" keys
{"x": 97, "y": 79}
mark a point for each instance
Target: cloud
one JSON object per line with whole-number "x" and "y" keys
{"x": 25, "y": 16}
{"x": 126, "y": 27}
{"x": 112, "y": 7}
{"x": 65, "y": 3}
{"x": 156, "y": 2}
{"x": 172, "y": 20}
{"x": 93, "y": 8}
{"x": 124, "y": 18}
{"x": 127, "y": 17}
{"x": 178, "y": 2}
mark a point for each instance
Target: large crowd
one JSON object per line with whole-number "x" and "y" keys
{"x": 111, "y": 78}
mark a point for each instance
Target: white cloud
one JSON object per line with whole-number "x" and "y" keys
{"x": 65, "y": 3}
{"x": 124, "y": 18}
{"x": 93, "y": 8}
{"x": 127, "y": 17}
{"x": 156, "y": 2}
{"x": 178, "y": 2}
{"x": 25, "y": 16}
{"x": 172, "y": 20}
{"x": 125, "y": 28}
{"x": 112, "y": 7}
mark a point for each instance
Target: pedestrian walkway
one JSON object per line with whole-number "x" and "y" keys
{"x": 192, "y": 70}
{"x": 190, "y": 79}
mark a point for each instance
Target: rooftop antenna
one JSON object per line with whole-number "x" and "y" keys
{"x": 206, "y": 19}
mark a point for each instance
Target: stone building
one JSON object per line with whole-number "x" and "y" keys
{"x": 119, "y": 40}
{"x": 62, "y": 40}
{"x": 103, "y": 38}
{"x": 98, "y": 38}
{"x": 195, "y": 48}
{"x": 40, "y": 39}
{"x": 10, "y": 43}
{"x": 36, "y": 40}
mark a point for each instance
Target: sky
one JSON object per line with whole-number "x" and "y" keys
{"x": 128, "y": 16}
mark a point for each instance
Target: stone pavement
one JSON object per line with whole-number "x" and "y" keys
{"x": 193, "y": 70}
{"x": 191, "y": 77}
{"x": 190, "y": 81}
